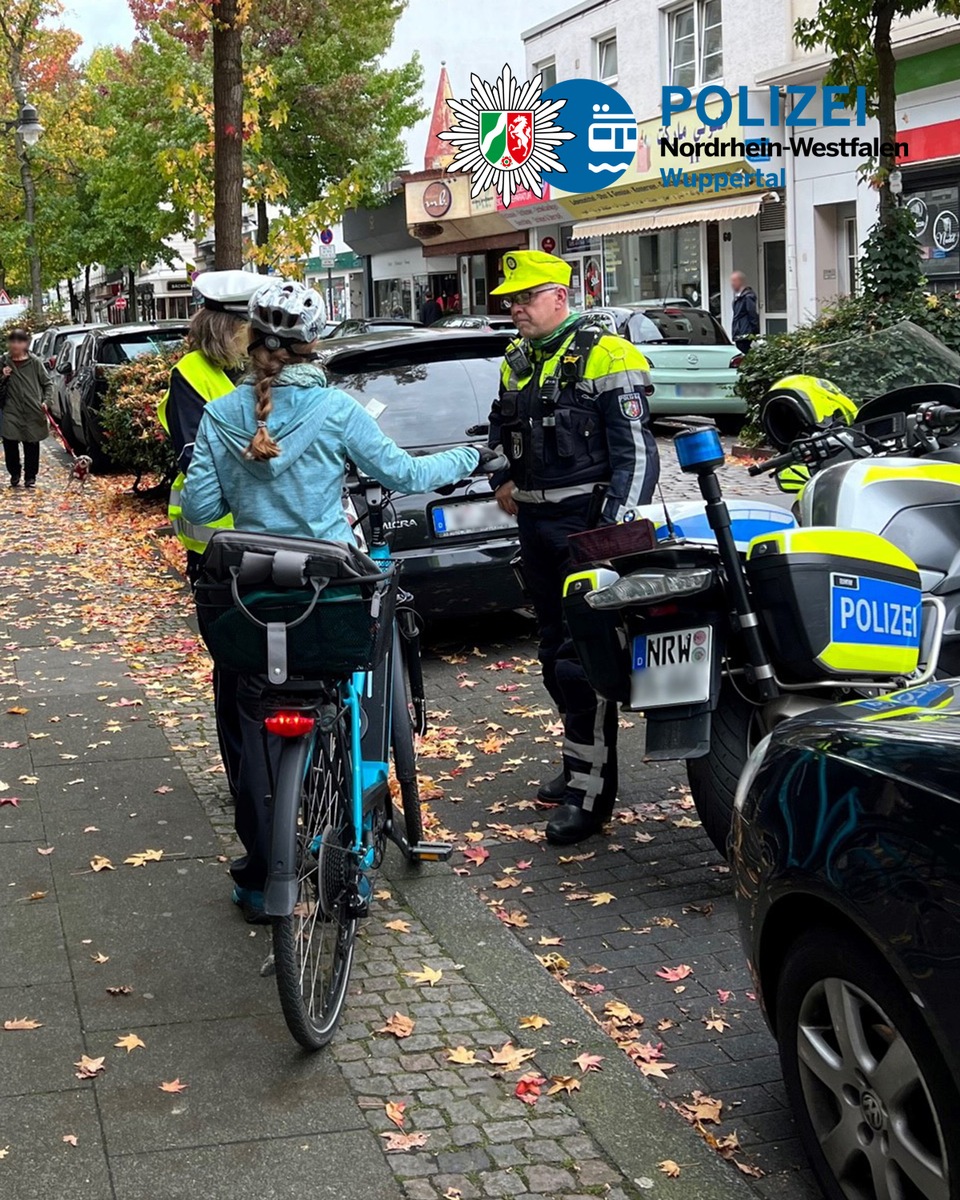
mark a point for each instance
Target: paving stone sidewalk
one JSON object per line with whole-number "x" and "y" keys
{"x": 108, "y": 751}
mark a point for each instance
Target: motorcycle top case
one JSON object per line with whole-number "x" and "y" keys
{"x": 835, "y": 603}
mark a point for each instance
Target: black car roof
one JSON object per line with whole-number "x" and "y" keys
{"x": 420, "y": 342}
{"x": 143, "y": 327}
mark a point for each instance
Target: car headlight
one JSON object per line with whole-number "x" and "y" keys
{"x": 750, "y": 771}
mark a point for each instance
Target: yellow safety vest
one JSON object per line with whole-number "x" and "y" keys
{"x": 209, "y": 382}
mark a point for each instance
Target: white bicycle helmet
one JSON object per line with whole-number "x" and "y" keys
{"x": 284, "y": 312}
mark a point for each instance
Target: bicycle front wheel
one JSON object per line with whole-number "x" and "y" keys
{"x": 313, "y": 948}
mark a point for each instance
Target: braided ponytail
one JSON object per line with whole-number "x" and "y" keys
{"x": 267, "y": 365}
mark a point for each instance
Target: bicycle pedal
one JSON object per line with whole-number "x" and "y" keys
{"x": 431, "y": 851}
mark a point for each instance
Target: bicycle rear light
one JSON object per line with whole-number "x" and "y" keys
{"x": 290, "y": 724}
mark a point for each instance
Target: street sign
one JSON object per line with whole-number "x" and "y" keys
{"x": 328, "y": 256}
{"x": 548, "y": 245}
{"x": 4, "y": 298}
{"x": 120, "y": 302}
{"x": 326, "y": 237}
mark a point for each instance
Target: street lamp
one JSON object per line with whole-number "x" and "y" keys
{"x": 27, "y": 125}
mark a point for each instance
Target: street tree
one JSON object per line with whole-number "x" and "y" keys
{"x": 858, "y": 36}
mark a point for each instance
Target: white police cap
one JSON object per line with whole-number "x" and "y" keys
{"x": 228, "y": 291}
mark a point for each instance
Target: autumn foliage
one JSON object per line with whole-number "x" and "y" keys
{"x": 136, "y": 440}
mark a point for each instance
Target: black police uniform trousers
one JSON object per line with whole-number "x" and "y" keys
{"x": 225, "y": 705}
{"x": 589, "y": 723}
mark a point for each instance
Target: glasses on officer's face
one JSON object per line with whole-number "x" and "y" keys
{"x": 526, "y": 296}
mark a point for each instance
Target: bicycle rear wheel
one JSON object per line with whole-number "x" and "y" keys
{"x": 404, "y": 748}
{"x": 313, "y": 948}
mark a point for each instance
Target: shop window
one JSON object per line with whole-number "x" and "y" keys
{"x": 607, "y": 69}
{"x": 653, "y": 266}
{"x": 548, "y": 72}
{"x": 695, "y": 43}
{"x": 936, "y": 214}
{"x": 393, "y": 297}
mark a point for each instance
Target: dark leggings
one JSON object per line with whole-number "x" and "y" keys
{"x": 31, "y": 459}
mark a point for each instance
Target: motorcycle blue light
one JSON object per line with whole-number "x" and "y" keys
{"x": 698, "y": 450}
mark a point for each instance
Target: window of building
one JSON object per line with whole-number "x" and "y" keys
{"x": 695, "y": 43}
{"x": 607, "y": 69}
{"x": 548, "y": 70}
{"x": 651, "y": 266}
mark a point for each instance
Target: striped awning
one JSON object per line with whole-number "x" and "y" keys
{"x": 674, "y": 214}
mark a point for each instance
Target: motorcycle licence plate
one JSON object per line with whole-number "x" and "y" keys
{"x": 671, "y": 668}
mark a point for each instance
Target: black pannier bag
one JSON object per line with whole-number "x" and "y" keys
{"x": 293, "y": 608}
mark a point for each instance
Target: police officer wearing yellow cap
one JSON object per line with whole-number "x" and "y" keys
{"x": 217, "y": 342}
{"x": 573, "y": 420}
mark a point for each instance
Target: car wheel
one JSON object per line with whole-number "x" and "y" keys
{"x": 874, "y": 1103}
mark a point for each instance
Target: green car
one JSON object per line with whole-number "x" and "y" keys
{"x": 693, "y": 364}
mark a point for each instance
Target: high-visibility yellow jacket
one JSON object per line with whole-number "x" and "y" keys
{"x": 194, "y": 382}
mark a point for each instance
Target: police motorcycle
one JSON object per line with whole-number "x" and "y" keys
{"x": 719, "y": 619}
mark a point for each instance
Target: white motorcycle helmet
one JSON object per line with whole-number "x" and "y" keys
{"x": 283, "y": 313}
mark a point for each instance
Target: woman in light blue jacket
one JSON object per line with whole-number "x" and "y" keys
{"x": 273, "y": 452}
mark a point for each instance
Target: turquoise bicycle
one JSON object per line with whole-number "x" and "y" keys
{"x": 337, "y": 645}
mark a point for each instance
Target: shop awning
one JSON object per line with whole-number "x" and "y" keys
{"x": 667, "y": 218}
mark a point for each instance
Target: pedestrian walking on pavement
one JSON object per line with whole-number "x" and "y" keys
{"x": 572, "y": 418}
{"x": 218, "y": 346}
{"x": 274, "y": 453}
{"x": 746, "y": 319}
{"x": 26, "y": 390}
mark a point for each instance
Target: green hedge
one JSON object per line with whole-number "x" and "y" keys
{"x": 134, "y": 438}
{"x": 779, "y": 354}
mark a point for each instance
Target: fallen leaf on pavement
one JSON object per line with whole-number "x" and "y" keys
{"x": 399, "y": 1025}
{"x": 398, "y": 926}
{"x": 571, "y": 858}
{"x": 174, "y": 1086}
{"x": 674, "y": 974}
{"x": 22, "y": 1023}
{"x": 401, "y": 1142}
{"x": 563, "y": 1083}
{"x": 670, "y": 1168}
{"x": 701, "y": 1108}
{"x": 394, "y": 1112}
{"x": 462, "y": 1056}
{"x": 129, "y": 1042}
{"x": 748, "y": 1169}
{"x": 533, "y": 1022}
{"x": 162, "y": 790}
{"x": 4, "y": 1151}
{"x": 545, "y": 941}
{"x": 656, "y": 1069}
{"x": 100, "y": 957}
{"x": 428, "y": 975}
{"x": 622, "y": 1012}
{"x": 716, "y": 1022}
{"x": 553, "y": 961}
{"x": 589, "y": 1062}
{"x": 45, "y": 850}
{"x": 13, "y": 801}
{"x": 528, "y": 1087}
{"x": 477, "y": 855}
{"x": 453, "y": 1193}
{"x": 724, "y": 997}
{"x": 142, "y": 857}
{"x": 517, "y": 919}
{"x": 69, "y": 1138}
{"x": 90, "y": 1068}
{"x": 99, "y": 863}
{"x": 666, "y": 922}
{"x": 18, "y": 712}
{"x": 602, "y": 898}
{"x": 525, "y": 864}
{"x": 122, "y": 990}
{"x": 382, "y": 894}
{"x": 37, "y": 896}
{"x": 687, "y": 823}
{"x": 665, "y": 1024}
{"x": 510, "y": 1057}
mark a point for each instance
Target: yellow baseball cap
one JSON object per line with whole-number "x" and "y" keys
{"x": 529, "y": 269}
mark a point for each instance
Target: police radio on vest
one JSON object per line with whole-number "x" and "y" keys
{"x": 756, "y": 107}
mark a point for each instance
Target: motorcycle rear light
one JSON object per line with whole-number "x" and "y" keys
{"x": 648, "y": 587}
{"x": 736, "y": 361}
{"x": 663, "y": 610}
{"x": 290, "y": 724}
{"x": 611, "y": 541}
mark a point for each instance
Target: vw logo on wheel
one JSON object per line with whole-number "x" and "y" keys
{"x": 872, "y": 1110}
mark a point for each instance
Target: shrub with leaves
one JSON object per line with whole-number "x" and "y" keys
{"x": 776, "y": 355}
{"x": 134, "y": 437}
{"x": 35, "y": 322}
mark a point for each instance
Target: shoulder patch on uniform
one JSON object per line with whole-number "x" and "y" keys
{"x": 631, "y": 405}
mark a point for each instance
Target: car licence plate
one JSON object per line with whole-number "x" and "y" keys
{"x": 696, "y": 389}
{"x": 671, "y": 668}
{"x": 470, "y": 516}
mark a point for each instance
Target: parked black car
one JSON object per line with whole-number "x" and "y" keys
{"x": 105, "y": 347}
{"x": 355, "y": 326}
{"x": 476, "y": 321}
{"x": 846, "y": 851}
{"x": 456, "y": 548}
{"x": 63, "y": 371}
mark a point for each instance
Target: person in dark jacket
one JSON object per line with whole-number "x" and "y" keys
{"x": 746, "y": 318}
{"x": 25, "y": 389}
{"x": 431, "y": 311}
{"x": 573, "y": 421}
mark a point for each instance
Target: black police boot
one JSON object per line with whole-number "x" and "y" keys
{"x": 571, "y": 824}
{"x": 554, "y": 790}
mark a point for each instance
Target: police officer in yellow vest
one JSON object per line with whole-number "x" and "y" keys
{"x": 573, "y": 420}
{"x": 218, "y": 346}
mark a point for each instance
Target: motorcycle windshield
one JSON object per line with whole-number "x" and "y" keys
{"x": 870, "y": 365}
